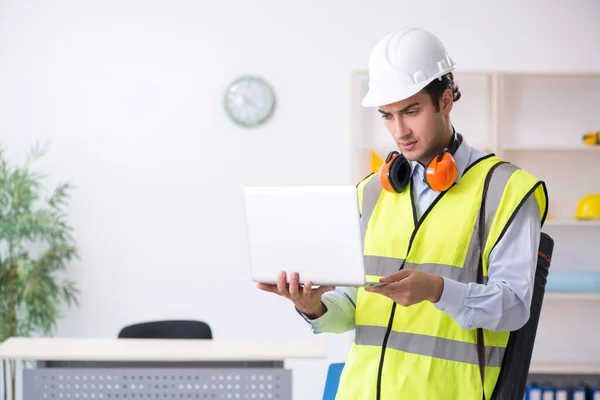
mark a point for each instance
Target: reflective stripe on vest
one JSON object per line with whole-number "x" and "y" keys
{"x": 445, "y": 349}
{"x": 419, "y": 351}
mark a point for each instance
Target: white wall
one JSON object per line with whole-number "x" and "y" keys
{"x": 130, "y": 93}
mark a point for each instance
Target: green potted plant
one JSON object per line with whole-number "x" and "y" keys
{"x": 36, "y": 245}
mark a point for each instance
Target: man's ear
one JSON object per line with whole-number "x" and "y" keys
{"x": 446, "y": 102}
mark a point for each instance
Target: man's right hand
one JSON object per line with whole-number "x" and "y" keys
{"x": 306, "y": 299}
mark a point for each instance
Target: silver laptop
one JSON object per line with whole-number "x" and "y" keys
{"x": 312, "y": 230}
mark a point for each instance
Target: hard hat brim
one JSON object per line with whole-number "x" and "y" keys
{"x": 378, "y": 97}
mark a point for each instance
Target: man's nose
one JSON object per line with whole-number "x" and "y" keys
{"x": 400, "y": 129}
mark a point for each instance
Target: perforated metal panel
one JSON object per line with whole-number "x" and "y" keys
{"x": 147, "y": 384}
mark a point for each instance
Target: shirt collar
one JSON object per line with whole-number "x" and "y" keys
{"x": 461, "y": 159}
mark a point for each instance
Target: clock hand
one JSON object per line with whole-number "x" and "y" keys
{"x": 249, "y": 101}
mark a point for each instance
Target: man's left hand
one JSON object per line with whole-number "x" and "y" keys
{"x": 410, "y": 286}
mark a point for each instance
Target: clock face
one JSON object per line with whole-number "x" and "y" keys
{"x": 249, "y": 101}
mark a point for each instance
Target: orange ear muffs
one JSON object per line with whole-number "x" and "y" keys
{"x": 441, "y": 172}
{"x": 440, "y": 175}
{"x": 394, "y": 174}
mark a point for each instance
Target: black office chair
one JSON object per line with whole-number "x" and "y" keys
{"x": 514, "y": 372}
{"x": 169, "y": 329}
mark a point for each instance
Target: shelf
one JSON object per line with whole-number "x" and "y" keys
{"x": 572, "y": 222}
{"x": 553, "y": 148}
{"x": 572, "y": 296}
{"x": 567, "y": 369}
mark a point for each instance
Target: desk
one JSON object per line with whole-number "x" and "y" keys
{"x": 157, "y": 368}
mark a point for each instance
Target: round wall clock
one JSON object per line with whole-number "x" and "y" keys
{"x": 249, "y": 101}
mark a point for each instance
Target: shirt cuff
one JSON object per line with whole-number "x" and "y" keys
{"x": 318, "y": 323}
{"x": 453, "y": 296}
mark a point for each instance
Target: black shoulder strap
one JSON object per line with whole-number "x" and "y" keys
{"x": 480, "y": 341}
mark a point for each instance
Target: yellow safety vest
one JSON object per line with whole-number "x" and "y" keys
{"x": 419, "y": 352}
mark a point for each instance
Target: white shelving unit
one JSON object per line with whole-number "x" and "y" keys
{"x": 565, "y": 149}
{"x": 573, "y": 222}
{"x": 536, "y": 121}
{"x": 575, "y": 369}
{"x": 550, "y": 296}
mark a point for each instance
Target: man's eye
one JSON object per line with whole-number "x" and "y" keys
{"x": 412, "y": 112}
{"x": 387, "y": 116}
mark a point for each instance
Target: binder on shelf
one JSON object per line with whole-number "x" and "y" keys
{"x": 533, "y": 392}
{"x": 579, "y": 393}
{"x": 561, "y": 394}
{"x": 547, "y": 393}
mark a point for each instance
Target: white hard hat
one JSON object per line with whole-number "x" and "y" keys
{"x": 403, "y": 63}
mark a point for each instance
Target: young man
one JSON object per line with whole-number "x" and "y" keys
{"x": 460, "y": 277}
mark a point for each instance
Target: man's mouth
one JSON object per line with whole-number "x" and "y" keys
{"x": 408, "y": 145}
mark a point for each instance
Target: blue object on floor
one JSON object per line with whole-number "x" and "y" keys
{"x": 333, "y": 380}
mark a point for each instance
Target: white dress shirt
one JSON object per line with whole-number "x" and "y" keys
{"x": 501, "y": 305}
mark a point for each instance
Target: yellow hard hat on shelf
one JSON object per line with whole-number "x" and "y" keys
{"x": 588, "y": 207}
{"x": 591, "y": 138}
